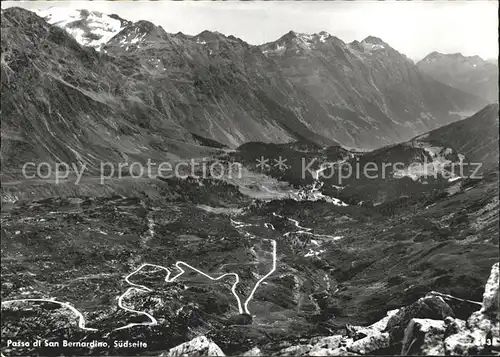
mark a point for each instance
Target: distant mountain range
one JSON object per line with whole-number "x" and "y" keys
{"x": 148, "y": 93}
{"x": 363, "y": 93}
{"x": 471, "y": 74}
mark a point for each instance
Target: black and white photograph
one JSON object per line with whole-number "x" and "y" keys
{"x": 249, "y": 178}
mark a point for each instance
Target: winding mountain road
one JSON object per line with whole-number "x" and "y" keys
{"x": 242, "y": 307}
{"x": 273, "y": 269}
{"x": 304, "y": 230}
{"x": 152, "y": 320}
{"x": 81, "y": 318}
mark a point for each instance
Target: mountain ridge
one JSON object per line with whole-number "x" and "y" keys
{"x": 471, "y": 74}
{"x": 369, "y": 79}
{"x": 214, "y": 86}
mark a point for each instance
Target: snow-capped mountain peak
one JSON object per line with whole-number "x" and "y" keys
{"x": 297, "y": 41}
{"x": 89, "y": 28}
{"x": 373, "y": 43}
{"x": 314, "y": 38}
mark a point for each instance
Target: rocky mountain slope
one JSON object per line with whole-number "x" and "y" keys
{"x": 471, "y": 74}
{"x": 68, "y": 103}
{"x": 368, "y": 92}
{"x": 62, "y": 102}
{"x": 228, "y": 90}
{"x": 222, "y": 88}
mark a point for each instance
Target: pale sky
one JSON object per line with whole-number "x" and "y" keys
{"x": 414, "y": 28}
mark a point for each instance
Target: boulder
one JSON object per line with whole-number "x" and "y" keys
{"x": 461, "y": 342}
{"x": 480, "y": 334}
{"x": 428, "y": 307}
{"x": 237, "y": 339}
{"x": 370, "y": 344}
{"x": 424, "y": 337}
{"x": 490, "y": 296}
{"x": 454, "y": 326}
{"x": 324, "y": 345}
{"x": 327, "y": 342}
{"x": 254, "y": 352}
{"x": 197, "y": 347}
{"x": 359, "y": 332}
{"x": 462, "y": 308}
{"x": 298, "y": 350}
{"x": 341, "y": 351}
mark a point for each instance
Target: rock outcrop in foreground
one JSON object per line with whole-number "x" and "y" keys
{"x": 430, "y": 326}
{"x": 199, "y": 346}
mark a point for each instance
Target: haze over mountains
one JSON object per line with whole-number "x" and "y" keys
{"x": 146, "y": 83}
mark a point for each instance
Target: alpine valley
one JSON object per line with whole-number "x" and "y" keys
{"x": 292, "y": 256}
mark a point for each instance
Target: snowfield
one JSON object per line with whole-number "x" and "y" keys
{"x": 89, "y": 28}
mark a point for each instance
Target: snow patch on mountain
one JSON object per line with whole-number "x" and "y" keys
{"x": 296, "y": 41}
{"x": 314, "y": 39}
{"x": 371, "y": 47}
{"x": 279, "y": 50}
{"x": 89, "y": 28}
